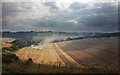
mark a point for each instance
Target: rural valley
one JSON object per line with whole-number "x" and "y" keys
{"x": 63, "y": 52}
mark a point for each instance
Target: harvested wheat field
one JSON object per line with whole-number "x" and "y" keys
{"x": 45, "y": 54}
{"x": 80, "y": 53}
{"x": 49, "y": 54}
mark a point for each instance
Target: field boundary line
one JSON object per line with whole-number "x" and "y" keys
{"x": 57, "y": 56}
{"x": 64, "y": 59}
{"x": 68, "y": 57}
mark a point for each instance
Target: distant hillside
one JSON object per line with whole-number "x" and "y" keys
{"x": 29, "y": 35}
{"x": 97, "y": 35}
{"x": 55, "y": 36}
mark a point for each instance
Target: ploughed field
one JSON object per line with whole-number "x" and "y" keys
{"x": 93, "y": 52}
{"x": 78, "y": 53}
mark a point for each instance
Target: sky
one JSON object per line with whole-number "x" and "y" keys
{"x": 60, "y": 15}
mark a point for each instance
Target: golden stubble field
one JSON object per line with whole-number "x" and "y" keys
{"x": 46, "y": 55}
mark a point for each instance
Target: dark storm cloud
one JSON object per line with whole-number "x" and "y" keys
{"x": 105, "y": 7}
{"x": 74, "y": 16}
{"x": 100, "y": 20}
{"x": 104, "y": 18}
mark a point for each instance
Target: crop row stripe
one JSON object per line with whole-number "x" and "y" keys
{"x": 67, "y": 56}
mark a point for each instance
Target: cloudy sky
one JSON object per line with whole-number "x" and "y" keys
{"x": 75, "y": 15}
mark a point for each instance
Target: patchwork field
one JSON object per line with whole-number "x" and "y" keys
{"x": 4, "y": 40}
{"x": 7, "y": 39}
{"x": 82, "y": 53}
{"x": 6, "y": 45}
